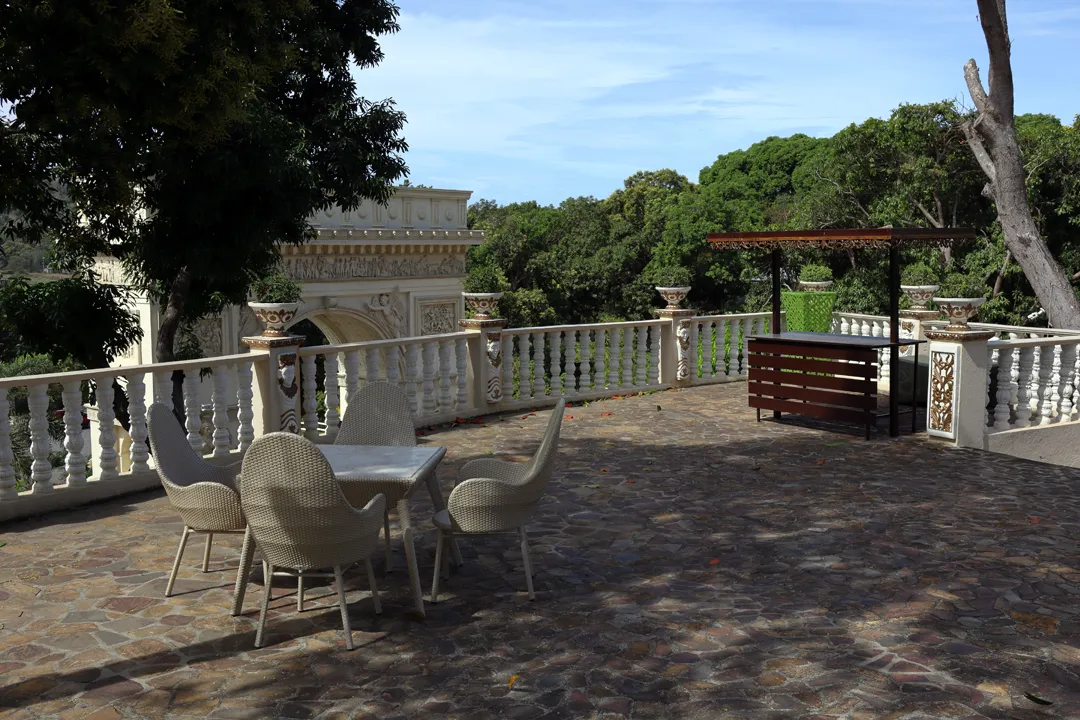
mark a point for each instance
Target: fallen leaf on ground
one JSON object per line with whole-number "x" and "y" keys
{"x": 569, "y": 417}
{"x": 1036, "y": 520}
{"x": 630, "y": 482}
{"x": 514, "y": 679}
{"x": 714, "y": 561}
{"x": 606, "y": 414}
{"x": 603, "y": 470}
{"x": 821, "y": 461}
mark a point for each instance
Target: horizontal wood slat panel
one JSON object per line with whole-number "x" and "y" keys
{"x": 777, "y": 362}
{"x": 824, "y": 397}
{"x": 828, "y": 382}
{"x": 815, "y": 351}
{"x": 818, "y": 411}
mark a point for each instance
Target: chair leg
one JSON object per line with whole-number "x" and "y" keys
{"x": 206, "y": 552}
{"x": 528, "y": 565}
{"x": 389, "y": 553}
{"x": 438, "y": 567}
{"x": 344, "y": 607}
{"x": 299, "y": 591}
{"x": 373, "y": 586}
{"x": 176, "y": 563}
{"x": 246, "y": 555}
{"x": 269, "y": 571}
{"x": 451, "y": 541}
{"x": 268, "y": 578}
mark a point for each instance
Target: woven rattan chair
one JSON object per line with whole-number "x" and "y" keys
{"x": 493, "y": 496}
{"x": 204, "y": 494}
{"x": 301, "y": 521}
{"x": 378, "y": 414}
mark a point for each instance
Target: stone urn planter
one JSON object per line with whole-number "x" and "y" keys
{"x": 919, "y": 295}
{"x": 484, "y": 305}
{"x": 811, "y": 286}
{"x": 274, "y": 316}
{"x": 673, "y": 295}
{"x": 958, "y": 310}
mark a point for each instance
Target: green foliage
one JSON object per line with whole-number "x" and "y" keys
{"x": 920, "y": 273}
{"x": 815, "y": 273}
{"x": 808, "y": 311}
{"x": 275, "y": 288}
{"x": 957, "y": 285}
{"x": 74, "y": 317}
{"x": 485, "y": 279}
{"x": 675, "y": 276}
{"x": 863, "y": 290}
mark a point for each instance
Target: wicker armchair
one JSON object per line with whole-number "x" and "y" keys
{"x": 301, "y": 521}
{"x": 378, "y": 414}
{"x": 494, "y": 496}
{"x": 204, "y": 494}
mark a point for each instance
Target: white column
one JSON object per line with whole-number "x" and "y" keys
{"x": 956, "y": 403}
{"x": 1046, "y": 385}
{"x": 585, "y": 350}
{"x": 245, "y": 433}
{"x": 220, "y": 417}
{"x": 642, "y": 351}
{"x": 140, "y": 453}
{"x": 446, "y": 396}
{"x": 429, "y": 378}
{"x": 628, "y": 357}
{"x": 555, "y": 343}
{"x": 163, "y": 389}
{"x": 7, "y": 472}
{"x": 333, "y": 394}
{"x": 599, "y": 365}
{"x": 310, "y": 408}
{"x": 654, "y": 355}
{"x": 569, "y": 339}
{"x": 41, "y": 469}
{"x": 371, "y": 361}
{"x": 461, "y": 352}
{"x": 352, "y": 377}
{"x": 1002, "y": 411}
{"x": 747, "y": 331}
{"x": 845, "y": 325}
{"x": 1068, "y": 380}
{"x": 538, "y": 365}
{"x": 1023, "y": 387}
{"x": 192, "y": 420}
{"x": 105, "y": 466}
{"x": 508, "y": 367}
{"x": 393, "y": 365}
{"x": 75, "y": 462}
{"x": 412, "y": 376}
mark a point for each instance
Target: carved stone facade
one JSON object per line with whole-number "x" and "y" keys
{"x": 438, "y": 318}
{"x": 942, "y": 385}
{"x": 327, "y": 267}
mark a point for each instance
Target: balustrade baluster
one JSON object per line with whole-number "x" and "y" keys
{"x": 585, "y": 349}
{"x": 654, "y": 355}
{"x": 717, "y": 358}
{"x": 845, "y": 325}
{"x": 245, "y": 431}
{"x": 163, "y": 389}
{"x": 352, "y": 378}
{"x": 1015, "y": 373}
{"x": 508, "y": 357}
{"x": 538, "y": 365}
{"x": 640, "y": 377}
{"x": 747, "y": 331}
{"x": 1055, "y": 384}
{"x": 413, "y": 376}
{"x": 695, "y": 343}
{"x": 192, "y": 416}
{"x": 1002, "y": 411}
{"x": 446, "y": 396}
{"x": 461, "y": 353}
{"x": 332, "y": 399}
{"x": 613, "y": 355}
{"x": 599, "y": 365}
{"x": 37, "y": 396}
{"x": 568, "y": 361}
{"x": 1076, "y": 386}
{"x": 310, "y": 404}
{"x": 7, "y": 457}
{"x": 75, "y": 460}
{"x": 1024, "y": 375}
{"x": 555, "y": 370}
{"x": 371, "y": 366}
{"x": 628, "y": 357}
{"x": 1045, "y": 408}
{"x": 430, "y": 368}
{"x": 1036, "y": 395}
{"x": 140, "y": 453}
{"x": 106, "y": 459}
{"x": 393, "y": 365}
{"x": 1068, "y": 379}
{"x": 220, "y": 417}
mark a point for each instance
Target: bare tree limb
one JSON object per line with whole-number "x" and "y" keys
{"x": 1001, "y": 273}
{"x": 1000, "y": 78}
{"x": 974, "y": 141}
{"x": 1076, "y": 276}
{"x": 926, "y": 213}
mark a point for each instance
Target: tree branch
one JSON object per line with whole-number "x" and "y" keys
{"x": 975, "y": 88}
{"x": 975, "y": 142}
{"x": 1001, "y": 273}
{"x": 996, "y": 30}
{"x": 926, "y": 213}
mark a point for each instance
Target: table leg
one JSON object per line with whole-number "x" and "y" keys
{"x": 437, "y": 500}
{"x": 410, "y": 555}
{"x": 915, "y": 389}
{"x": 246, "y": 556}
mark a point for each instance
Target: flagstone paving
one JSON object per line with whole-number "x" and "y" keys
{"x": 690, "y": 563}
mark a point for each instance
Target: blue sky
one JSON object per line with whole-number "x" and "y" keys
{"x": 548, "y": 99}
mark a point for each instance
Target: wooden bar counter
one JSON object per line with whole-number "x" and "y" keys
{"x": 832, "y": 377}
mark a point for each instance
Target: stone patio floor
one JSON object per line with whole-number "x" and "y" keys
{"x": 691, "y": 563}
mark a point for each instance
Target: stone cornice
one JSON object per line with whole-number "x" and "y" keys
{"x": 383, "y": 236}
{"x": 329, "y": 248}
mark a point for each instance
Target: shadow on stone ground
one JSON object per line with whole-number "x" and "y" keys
{"x": 690, "y": 563}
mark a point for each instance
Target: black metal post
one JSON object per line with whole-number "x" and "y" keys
{"x": 776, "y": 291}
{"x": 894, "y": 339}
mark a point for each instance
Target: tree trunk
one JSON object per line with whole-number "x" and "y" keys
{"x": 992, "y": 138}
{"x": 1001, "y": 273}
{"x": 174, "y": 312}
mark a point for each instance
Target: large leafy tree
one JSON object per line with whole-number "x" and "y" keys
{"x": 191, "y": 138}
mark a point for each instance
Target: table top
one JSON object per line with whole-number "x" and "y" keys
{"x": 819, "y": 339}
{"x": 381, "y": 462}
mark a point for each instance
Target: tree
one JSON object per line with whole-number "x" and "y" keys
{"x": 191, "y": 138}
{"x": 992, "y": 137}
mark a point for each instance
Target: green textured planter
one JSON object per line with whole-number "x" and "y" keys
{"x": 808, "y": 311}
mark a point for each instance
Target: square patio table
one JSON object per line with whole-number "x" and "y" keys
{"x": 365, "y": 471}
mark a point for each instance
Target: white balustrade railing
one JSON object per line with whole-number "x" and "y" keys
{"x": 718, "y": 345}
{"x": 433, "y": 370}
{"x": 845, "y": 323}
{"x": 46, "y": 414}
{"x": 580, "y": 362}
{"x": 1036, "y": 382}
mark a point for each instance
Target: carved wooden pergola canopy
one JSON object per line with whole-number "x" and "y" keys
{"x": 841, "y": 238}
